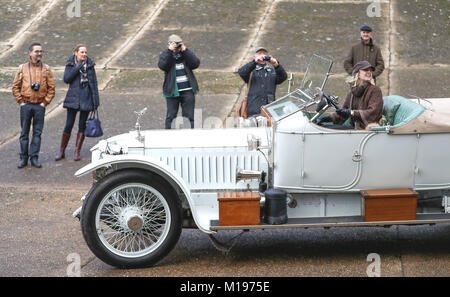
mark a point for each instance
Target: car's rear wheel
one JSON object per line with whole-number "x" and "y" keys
{"x": 131, "y": 219}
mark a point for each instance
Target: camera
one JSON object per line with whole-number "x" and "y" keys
{"x": 179, "y": 45}
{"x": 266, "y": 58}
{"x": 35, "y": 86}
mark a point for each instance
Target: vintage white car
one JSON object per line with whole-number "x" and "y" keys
{"x": 277, "y": 171}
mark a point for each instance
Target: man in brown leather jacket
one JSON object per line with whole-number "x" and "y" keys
{"x": 33, "y": 88}
{"x": 365, "y": 50}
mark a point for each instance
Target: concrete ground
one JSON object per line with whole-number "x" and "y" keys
{"x": 37, "y": 232}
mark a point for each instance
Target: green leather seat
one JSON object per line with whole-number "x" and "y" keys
{"x": 407, "y": 111}
{"x": 399, "y": 111}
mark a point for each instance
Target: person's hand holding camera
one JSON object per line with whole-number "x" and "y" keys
{"x": 177, "y": 46}
{"x": 259, "y": 58}
{"x": 271, "y": 60}
{"x": 262, "y": 58}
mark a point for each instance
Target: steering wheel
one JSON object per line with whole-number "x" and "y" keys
{"x": 331, "y": 100}
{"x": 325, "y": 102}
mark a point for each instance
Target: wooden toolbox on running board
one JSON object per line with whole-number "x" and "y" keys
{"x": 389, "y": 205}
{"x": 239, "y": 208}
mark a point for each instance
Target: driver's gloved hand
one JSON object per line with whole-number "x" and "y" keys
{"x": 323, "y": 119}
{"x": 343, "y": 112}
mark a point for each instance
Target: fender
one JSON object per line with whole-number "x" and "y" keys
{"x": 147, "y": 163}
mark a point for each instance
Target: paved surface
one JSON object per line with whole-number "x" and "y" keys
{"x": 37, "y": 232}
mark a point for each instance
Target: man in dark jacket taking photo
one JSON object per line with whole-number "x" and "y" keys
{"x": 180, "y": 84}
{"x": 263, "y": 74}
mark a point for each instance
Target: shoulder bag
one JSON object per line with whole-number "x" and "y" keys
{"x": 93, "y": 125}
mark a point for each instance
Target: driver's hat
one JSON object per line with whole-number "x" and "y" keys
{"x": 362, "y": 65}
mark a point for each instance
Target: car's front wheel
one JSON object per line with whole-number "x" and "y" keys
{"x": 131, "y": 219}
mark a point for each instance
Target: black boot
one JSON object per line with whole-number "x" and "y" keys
{"x": 35, "y": 162}
{"x": 22, "y": 163}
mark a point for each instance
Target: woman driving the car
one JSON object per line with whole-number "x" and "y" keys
{"x": 363, "y": 104}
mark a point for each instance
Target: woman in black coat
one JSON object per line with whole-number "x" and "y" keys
{"x": 82, "y": 97}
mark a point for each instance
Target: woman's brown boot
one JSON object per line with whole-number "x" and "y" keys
{"x": 79, "y": 144}
{"x": 64, "y": 141}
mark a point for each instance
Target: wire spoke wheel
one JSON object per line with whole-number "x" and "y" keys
{"x": 131, "y": 219}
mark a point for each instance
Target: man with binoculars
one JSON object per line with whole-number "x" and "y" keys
{"x": 33, "y": 88}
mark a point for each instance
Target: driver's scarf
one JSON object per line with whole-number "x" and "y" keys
{"x": 359, "y": 90}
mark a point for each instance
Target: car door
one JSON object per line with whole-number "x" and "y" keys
{"x": 331, "y": 160}
{"x": 388, "y": 161}
{"x": 432, "y": 167}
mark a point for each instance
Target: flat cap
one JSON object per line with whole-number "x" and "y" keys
{"x": 362, "y": 65}
{"x": 175, "y": 38}
{"x": 366, "y": 28}
{"x": 257, "y": 49}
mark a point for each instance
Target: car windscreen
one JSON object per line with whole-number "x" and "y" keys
{"x": 316, "y": 74}
{"x": 314, "y": 80}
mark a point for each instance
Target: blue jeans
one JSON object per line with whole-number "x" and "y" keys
{"x": 31, "y": 112}
{"x": 187, "y": 102}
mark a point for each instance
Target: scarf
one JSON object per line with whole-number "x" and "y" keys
{"x": 358, "y": 91}
{"x": 83, "y": 73}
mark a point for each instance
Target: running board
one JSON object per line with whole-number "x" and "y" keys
{"x": 328, "y": 222}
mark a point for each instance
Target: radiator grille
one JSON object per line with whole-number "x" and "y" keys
{"x": 210, "y": 169}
